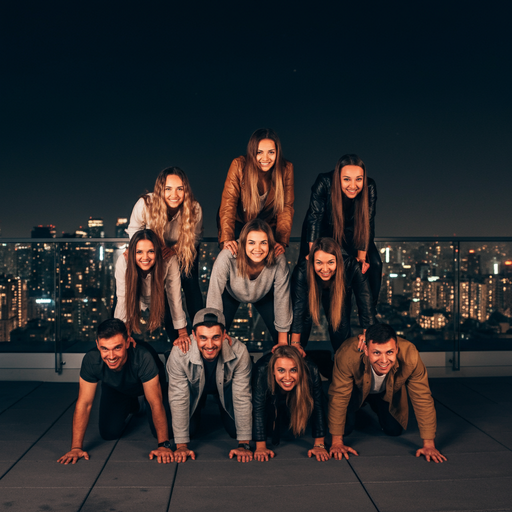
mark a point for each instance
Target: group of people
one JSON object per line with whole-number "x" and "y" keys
{"x": 283, "y": 391}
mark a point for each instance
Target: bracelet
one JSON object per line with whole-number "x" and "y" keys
{"x": 321, "y": 445}
{"x": 295, "y": 343}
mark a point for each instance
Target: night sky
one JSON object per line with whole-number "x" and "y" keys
{"x": 97, "y": 97}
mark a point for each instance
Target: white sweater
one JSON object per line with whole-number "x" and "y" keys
{"x": 139, "y": 220}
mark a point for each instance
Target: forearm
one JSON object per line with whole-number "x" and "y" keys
{"x": 80, "y": 422}
{"x": 261, "y": 445}
{"x": 160, "y": 422}
{"x": 320, "y": 441}
{"x": 282, "y": 338}
{"x": 337, "y": 440}
{"x": 295, "y": 338}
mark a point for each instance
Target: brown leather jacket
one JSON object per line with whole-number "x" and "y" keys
{"x": 231, "y": 207}
{"x": 352, "y": 371}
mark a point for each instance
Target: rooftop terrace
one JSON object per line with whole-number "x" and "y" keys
{"x": 474, "y": 432}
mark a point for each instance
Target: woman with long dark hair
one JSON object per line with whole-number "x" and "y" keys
{"x": 255, "y": 276}
{"x": 144, "y": 279}
{"x": 177, "y": 219}
{"x": 329, "y": 282}
{"x": 258, "y": 185}
{"x": 287, "y": 393}
{"x": 342, "y": 206}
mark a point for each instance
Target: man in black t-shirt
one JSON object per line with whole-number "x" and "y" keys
{"x": 126, "y": 372}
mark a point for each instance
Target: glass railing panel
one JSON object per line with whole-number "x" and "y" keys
{"x": 28, "y": 301}
{"x": 486, "y": 295}
{"x": 417, "y": 295}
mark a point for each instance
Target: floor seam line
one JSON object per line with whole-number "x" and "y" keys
{"x": 472, "y": 424}
{"x": 38, "y": 439}
{"x": 24, "y": 396}
{"x": 103, "y": 466}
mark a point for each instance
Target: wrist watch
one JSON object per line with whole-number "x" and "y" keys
{"x": 165, "y": 444}
{"x": 245, "y": 446}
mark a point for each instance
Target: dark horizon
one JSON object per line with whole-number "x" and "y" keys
{"x": 97, "y": 100}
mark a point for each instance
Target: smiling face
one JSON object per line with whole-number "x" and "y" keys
{"x": 352, "y": 180}
{"x": 325, "y": 265}
{"x": 114, "y": 351}
{"x": 145, "y": 255}
{"x": 266, "y": 154}
{"x": 286, "y": 373}
{"x": 382, "y": 356}
{"x": 256, "y": 246}
{"x": 209, "y": 341}
{"x": 174, "y": 191}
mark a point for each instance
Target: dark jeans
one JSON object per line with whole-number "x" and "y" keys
{"x": 227, "y": 421}
{"x": 193, "y": 299}
{"x": 381, "y": 408}
{"x": 115, "y": 408}
{"x": 264, "y": 306}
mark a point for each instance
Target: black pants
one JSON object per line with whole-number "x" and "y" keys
{"x": 264, "y": 306}
{"x": 227, "y": 421}
{"x": 381, "y": 408}
{"x": 115, "y": 408}
{"x": 193, "y": 299}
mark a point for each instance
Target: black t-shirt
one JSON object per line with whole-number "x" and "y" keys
{"x": 210, "y": 377}
{"x": 139, "y": 368}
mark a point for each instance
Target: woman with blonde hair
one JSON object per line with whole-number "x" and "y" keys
{"x": 144, "y": 279}
{"x": 330, "y": 282}
{"x": 177, "y": 219}
{"x": 258, "y": 185}
{"x": 255, "y": 276}
{"x": 286, "y": 393}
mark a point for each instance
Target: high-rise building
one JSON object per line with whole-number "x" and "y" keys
{"x": 95, "y": 228}
{"x": 121, "y": 225}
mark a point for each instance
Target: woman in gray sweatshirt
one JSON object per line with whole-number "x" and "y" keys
{"x": 254, "y": 276}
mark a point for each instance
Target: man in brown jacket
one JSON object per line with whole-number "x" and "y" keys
{"x": 381, "y": 375}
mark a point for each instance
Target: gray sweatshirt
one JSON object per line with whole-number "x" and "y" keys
{"x": 225, "y": 277}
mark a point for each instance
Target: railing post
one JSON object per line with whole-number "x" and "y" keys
{"x": 456, "y": 307}
{"x": 58, "y": 310}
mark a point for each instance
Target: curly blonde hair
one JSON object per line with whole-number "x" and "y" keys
{"x": 158, "y": 217}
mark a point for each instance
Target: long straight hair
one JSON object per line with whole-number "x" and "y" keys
{"x": 336, "y": 284}
{"x": 134, "y": 279}
{"x": 362, "y": 209}
{"x": 299, "y": 399}
{"x": 242, "y": 260}
{"x": 158, "y": 217}
{"x": 251, "y": 196}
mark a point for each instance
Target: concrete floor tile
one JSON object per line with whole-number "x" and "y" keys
{"x": 459, "y": 466}
{"x": 131, "y": 450}
{"x": 50, "y": 473}
{"x": 488, "y": 494}
{"x": 13, "y": 450}
{"x": 275, "y": 472}
{"x": 40, "y": 499}
{"x": 11, "y": 392}
{"x": 155, "y": 499}
{"x": 5, "y": 465}
{"x": 51, "y": 450}
{"x": 325, "y": 498}
{"x": 147, "y": 473}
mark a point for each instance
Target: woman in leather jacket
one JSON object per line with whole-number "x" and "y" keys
{"x": 330, "y": 280}
{"x": 287, "y": 392}
{"x": 258, "y": 185}
{"x": 342, "y": 206}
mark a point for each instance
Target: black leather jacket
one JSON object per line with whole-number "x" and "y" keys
{"x": 355, "y": 281}
{"x": 264, "y": 404}
{"x": 319, "y": 222}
